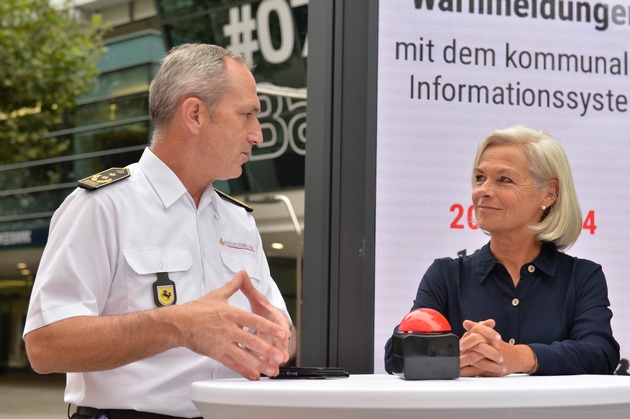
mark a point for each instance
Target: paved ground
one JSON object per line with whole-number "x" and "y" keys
{"x": 26, "y": 395}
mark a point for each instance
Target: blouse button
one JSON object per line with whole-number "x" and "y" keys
{"x": 512, "y": 341}
{"x": 531, "y": 269}
{"x": 515, "y": 302}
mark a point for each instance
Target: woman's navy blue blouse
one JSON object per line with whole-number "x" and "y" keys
{"x": 559, "y": 308}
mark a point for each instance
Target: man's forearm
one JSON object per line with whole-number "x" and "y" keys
{"x": 86, "y": 343}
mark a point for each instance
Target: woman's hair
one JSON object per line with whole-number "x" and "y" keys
{"x": 562, "y": 221}
{"x": 189, "y": 70}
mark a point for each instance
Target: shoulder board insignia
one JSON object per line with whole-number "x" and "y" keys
{"x": 104, "y": 178}
{"x": 233, "y": 200}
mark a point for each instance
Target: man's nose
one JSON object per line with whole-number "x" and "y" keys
{"x": 256, "y": 136}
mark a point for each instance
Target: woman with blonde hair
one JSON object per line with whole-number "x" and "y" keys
{"x": 519, "y": 304}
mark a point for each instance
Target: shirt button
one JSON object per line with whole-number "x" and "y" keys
{"x": 515, "y": 302}
{"x": 531, "y": 269}
{"x": 512, "y": 341}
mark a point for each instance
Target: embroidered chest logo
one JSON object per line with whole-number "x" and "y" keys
{"x": 236, "y": 245}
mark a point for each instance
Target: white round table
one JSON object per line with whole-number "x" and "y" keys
{"x": 380, "y": 396}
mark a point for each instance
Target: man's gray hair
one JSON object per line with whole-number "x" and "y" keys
{"x": 189, "y": 70}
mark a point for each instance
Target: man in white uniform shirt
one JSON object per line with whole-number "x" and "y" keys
{"x": 151, "y": 279}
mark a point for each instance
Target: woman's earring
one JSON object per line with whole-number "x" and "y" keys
{"x": 544, "y": 207}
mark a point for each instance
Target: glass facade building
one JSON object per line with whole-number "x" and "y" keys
{"x": 110, "y": 127}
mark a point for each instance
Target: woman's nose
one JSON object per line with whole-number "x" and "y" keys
{"x": 484, "y": 188}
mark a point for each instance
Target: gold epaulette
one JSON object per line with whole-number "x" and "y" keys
{"x": 233, "y": 200}
{"x": 104, "y": 178}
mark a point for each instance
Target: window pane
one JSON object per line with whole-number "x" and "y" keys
{"x": 49, "y": 178}
{"x": 111, "y": 110}
{"x": 175, "y": 8}
{"x": 209, "y": 26}
{"x": 121, "y": 82}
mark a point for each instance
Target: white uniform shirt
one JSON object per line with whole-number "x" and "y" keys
{"x": 103, "y": 254}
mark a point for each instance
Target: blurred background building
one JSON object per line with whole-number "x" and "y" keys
{"x": 111, "y": 127}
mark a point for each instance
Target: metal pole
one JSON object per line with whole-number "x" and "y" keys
{"x": 298, "y": 274}
{"x": 298, "y": 261}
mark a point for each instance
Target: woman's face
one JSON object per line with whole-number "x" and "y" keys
{"x": 505, "y": 198}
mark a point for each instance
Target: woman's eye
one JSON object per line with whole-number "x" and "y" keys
{"x": 504, "y": 179}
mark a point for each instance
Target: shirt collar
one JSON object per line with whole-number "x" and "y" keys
{"x": 210, "y": 197}
{"x": 165, "y": 182}
{"x": 218, "y": 203}
{"x": 546, "y": 261}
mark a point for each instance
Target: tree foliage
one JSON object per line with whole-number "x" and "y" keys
{"x": 48, "y": 58}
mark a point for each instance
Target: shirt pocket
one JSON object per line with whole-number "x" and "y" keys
{"x": 144, "y": 266}
{"x": 241, "y": 260}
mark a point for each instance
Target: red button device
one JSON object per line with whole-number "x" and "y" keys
{"x": 423, "y": 347}
{"x": 424, "y": 320}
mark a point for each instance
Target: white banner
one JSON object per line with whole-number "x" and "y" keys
{"x": 451, "y": 72}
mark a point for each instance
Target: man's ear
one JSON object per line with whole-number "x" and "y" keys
{"x": 191, "y": 112}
